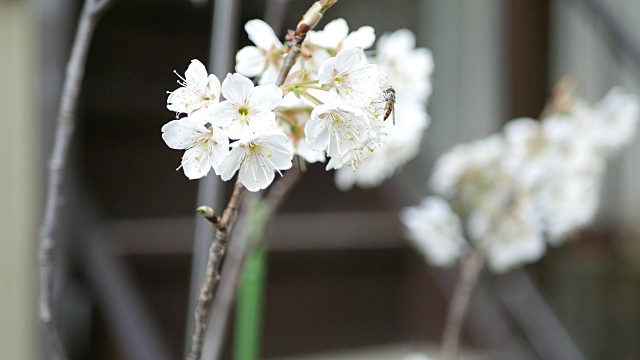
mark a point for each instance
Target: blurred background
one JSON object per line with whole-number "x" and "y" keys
{"x": 341, "y": 279}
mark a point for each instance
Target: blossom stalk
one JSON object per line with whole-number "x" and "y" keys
{"x": 230, "y": 214}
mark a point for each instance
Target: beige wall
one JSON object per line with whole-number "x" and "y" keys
{"x": 19, "y": 179}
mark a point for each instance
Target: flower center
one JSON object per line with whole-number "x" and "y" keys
{"x": 243, "y": 111}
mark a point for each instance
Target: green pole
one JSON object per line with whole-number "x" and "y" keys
{"x": 248, "y": 322}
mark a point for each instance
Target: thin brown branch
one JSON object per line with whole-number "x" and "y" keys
{"x": 212, "y": 275}
{"x": 89, "y": 18}
{"x": 470, "y": 269}
{"x": 238, "y": 252}
{"x": 295, "y": 38}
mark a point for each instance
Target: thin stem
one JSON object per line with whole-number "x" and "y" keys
{"x": 305, "y": 83}
{"x": 91, "y": 14}
{"x": 212, "y": 275}
{"x": 238, "y": 252}
{"x": 296, "y": 38}
{"x": 470, "y": 269}
{"x": 310, "y": 97}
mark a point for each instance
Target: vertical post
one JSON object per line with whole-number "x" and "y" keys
{"x": 248, "y": 330}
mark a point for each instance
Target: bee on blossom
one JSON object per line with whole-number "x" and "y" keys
{"x": 389, "y": 96}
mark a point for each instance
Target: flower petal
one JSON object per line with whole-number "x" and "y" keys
{"x": 196, "y": 162}
{"x": 279, "y": 150}
{"x": 183, "y": 100}
{"x": 181, "y": 134}
{"x": 214, "y": 87}
{"x": 265, "y": 97}
{"x": 270, "y": 74}
{"x": 250, "y": 61}
{"x": 255, "y": 174}
{"x": 196, "y": 74}
{"x": 236, "y": 88}
{"x": 316, "y": 132}
{"x": 219, "y": 145}
{"x": 223, "y": 114}
{"x": 332, "y": 34}
{"x": 363, "y": 37}
{"x": 231, "y": 163}
{"x": 325, "y": 73}
{"x": 261, "y": 34}
{"x": 348, "y": 59}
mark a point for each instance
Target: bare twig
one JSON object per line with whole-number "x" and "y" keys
{"x": 295, "y": 38}
{"x": 91, "y": 14}
{"x": 470, "y": 268}
{"x": 234, "y": 263}
{"x": 212, "y": 276}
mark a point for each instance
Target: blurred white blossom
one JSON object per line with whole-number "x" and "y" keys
{"x": 614, "y": 121}
{"x": 514, "y": 237}
{"x": 409, "y": 68}
{"x": 537, "y": 181}
{"x": 417, "y": 356}
{"x": 435, "y": 230}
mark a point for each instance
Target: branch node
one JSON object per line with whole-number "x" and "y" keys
{"x": 208, "y": 213}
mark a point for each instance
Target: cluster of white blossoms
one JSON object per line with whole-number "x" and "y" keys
{"x": 409, "y": 71}
{"x": 536, "y": 182}
{"x": 335, "y": 102}
{"x": 332, "y": 105}
{"x": 239, "y": 134}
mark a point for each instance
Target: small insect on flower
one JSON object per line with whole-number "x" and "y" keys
{"x": 389, "y": 96}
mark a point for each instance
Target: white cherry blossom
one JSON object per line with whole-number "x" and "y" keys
{"x": 464, "y": 160}
{"x": 335, "y": 36}
{"x": 199, "y": 90}
{"x": 246, "y": 105}
{"x": 337, "y": 129}
{"x": 349, "y": 77}
{"x": 206, "y": 145}
{"x": 258, "y": 156}
{"x": 400, "y": 143}
{"x": 309, "y": 155}
{"x": 265, "y": 58}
